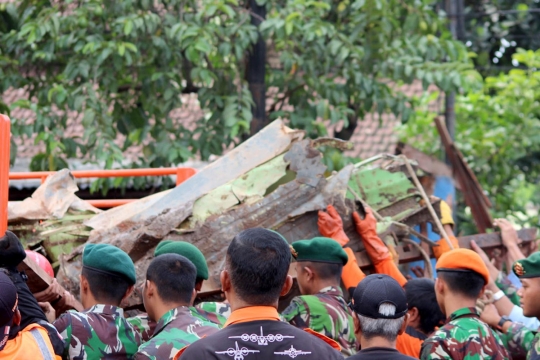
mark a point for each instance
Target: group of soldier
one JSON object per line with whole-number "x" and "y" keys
{"x": 471, "y": 311}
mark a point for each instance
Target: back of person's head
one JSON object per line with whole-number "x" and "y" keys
{"x": 421, "y": 295}
{"x": 174, "y": 276}
{"x": 385, "y": 328}
{"x": 324, "y": 256}
{"x": 109, "y": 271}
{"x": 466, "y": 283}
{"x": 381, "y": 306}
{"x": 326, "y": 271}
{"x": 190, "y": 251}
{"x": 463, "y": 271}
{"x": 107, "y": 288}
{"x": 258, "y": 262}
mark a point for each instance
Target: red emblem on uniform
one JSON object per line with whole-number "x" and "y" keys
{"x": 518, "y": 269}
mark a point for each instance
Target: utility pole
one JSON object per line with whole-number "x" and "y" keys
{"x": 256, "y": 71}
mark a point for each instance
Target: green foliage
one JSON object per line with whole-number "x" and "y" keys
{"x": 498, "y": 131}
{"x": 342, "y": 60}
{"x": 123, "y": 66}
{"x": 497, "y": 28}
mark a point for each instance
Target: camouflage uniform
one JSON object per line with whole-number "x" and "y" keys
{"x": 97, "y": 333}
{"x": 464, "y": 336}
{"x": 217, "y": 312}
{"x": 508, "y": 288}
{"x": 176, "y": 329}
{"x": 143, "y": 325}
{"x": 146, "y": 327}
{"x": 326, "y": 313}
{"x": 521, "y": 341}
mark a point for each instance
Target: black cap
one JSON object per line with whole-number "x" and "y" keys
{"x": 8, "y": 305}
{"x": 11, "y": 250}
{"x": 375, "y": 290}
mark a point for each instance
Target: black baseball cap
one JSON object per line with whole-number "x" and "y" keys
{"x": 8, "y": 305}
{"x": 375, "y": 290}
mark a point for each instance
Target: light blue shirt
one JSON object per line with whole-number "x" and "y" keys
{"x": 514, "y": 280}
{"x": 516, "y": 315}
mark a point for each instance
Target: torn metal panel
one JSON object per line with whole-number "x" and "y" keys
{"x": 248, "y": 188}
{"x": 380, "y": 188}
{"x": 138, "y": 226}
{"x": 213, "y": 237}
{"x": 334, "y": 191}
{"x": 306, "y": 163}
{"x": 51, "y": 200}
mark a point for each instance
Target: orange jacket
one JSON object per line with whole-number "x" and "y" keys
{"x": 409, "y": 345}
{"x": 31, "y": 343}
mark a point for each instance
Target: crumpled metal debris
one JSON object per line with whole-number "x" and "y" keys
{"x": 51, "y": 200}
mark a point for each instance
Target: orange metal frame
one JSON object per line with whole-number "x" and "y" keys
{"x": 5, "y": 140}
{"x": 182, "y": 174}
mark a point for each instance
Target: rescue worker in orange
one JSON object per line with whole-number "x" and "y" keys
{"x": 331, "y": 225}
{"x": 32, "y": 342}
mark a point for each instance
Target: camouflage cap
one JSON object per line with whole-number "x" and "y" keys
{"x": 529, "y": 267}
{"x": 463, "y": 260}
{"x": 190, "y": 251}
{"x": 320, "y": 249}
{"x": 110, "y": 259}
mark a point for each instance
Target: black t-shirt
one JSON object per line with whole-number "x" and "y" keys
{"x": 380, "y": 353}
{"x": 260, "y": 340}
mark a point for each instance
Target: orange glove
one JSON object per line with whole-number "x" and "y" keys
{"x": 331, "y": 225}
{"x": 367, "y": 228}
{"x": 443, "y": 246}
{"x": 375, "y": 247}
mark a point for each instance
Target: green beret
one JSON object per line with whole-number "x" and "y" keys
{"x": 160, "y": 245}
{"x": 320, "y": 249}
{"x": 529, "y": 267}
{"x": 110, "y": 259}
{"x": 188, "y": 250}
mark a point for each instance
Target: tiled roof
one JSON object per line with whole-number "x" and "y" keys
{"x": 375, "y": 134}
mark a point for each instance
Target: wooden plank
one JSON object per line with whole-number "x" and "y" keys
{"x": 471, "y": 189}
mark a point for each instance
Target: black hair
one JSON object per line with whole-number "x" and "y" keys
{"x": 174, "y": 276}
{"x": 106, "y": 287}
{"x": 421, "y": 295}
{"x": 326, "y": 271}
{"x": 466, "y": 283}
{"x": 258, "y": 262}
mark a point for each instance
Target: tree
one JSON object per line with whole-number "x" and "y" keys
{"x": 123, "y": 65}
{"x": 494, "y": 30}
{"x": 498, "y": 131}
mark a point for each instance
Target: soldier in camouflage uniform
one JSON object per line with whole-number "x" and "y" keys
{"x": 517, "y": 335}
{"x": 322, "y": 307}
{"x": 101, "y": 331}
{"x": 168, "y": 291}
{"x": 462, "y": 277}
{"x": 214, "y": 312}
{"x": 220, "y": 311}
